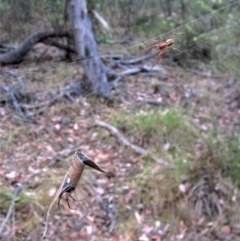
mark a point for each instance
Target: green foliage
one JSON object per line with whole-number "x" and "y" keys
{"x": 6, "y": 197}
{"x": 54, "y": 11}
{"x": 150, "y": 121}
{"x": 218, "y": 158}
{"x": 4, "y": 6}
{"x": 100, "y": 36}
{"x": 19, "y": 18}
{"x": 230, "y": 159}
{"x": 204, "y": 29}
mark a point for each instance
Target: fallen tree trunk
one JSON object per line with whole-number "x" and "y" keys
{"x": 16, "y": 55}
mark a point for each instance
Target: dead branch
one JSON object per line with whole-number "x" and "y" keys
{"x": 20, "y": 100}
{"x": 148, "y": 68}
{"x": 6, "y": 47}
{"x": 13, "y": 96}
{"x": 101, "y": 20}
{"x": 67, "y": 48}
{"x": 139, "y": 150}
{"x": 115, "y": 82}
{"x": 143, "y": 68}
{"x": 18, "y": 78}
{"x": 149, "y": 101}
{"x": 17, "y": 190}
{"x": 16, "y": 55}
{"x": 131, "y": 71}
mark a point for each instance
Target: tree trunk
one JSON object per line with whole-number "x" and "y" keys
{"x": 86, "y": 46}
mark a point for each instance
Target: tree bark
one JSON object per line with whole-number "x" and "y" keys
{"x": 16, "y": 55}
{"x": 87, "y": 50}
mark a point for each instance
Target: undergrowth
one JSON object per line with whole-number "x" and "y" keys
{"x": 207, "y": 163}
{"x": 6, "y": 197}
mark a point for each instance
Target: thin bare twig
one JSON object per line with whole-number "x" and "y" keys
{"x": 17, "y": 190}
{"x": 149, "y": 101}
{"x": 139, "y": 69}
{"x": 125, "y": 142}
{"x": 13, "y": 93}
{"x": 18, "y": 78}
{"x": 51, "y": 205}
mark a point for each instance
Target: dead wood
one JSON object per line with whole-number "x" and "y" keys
{"x": 143, "y": 70}
{"x": 139, "y": 150}
{"x": 14, "y": 97}
{"x": 7, "y": 47}
{"x": 139, "y": 69}
{"x": 16, "y": 55}
{"x": 102, "y": 21}
{"x": 21, "y": 100}
{"x": 149, "y": 101}
{"x": 17, "y": 77}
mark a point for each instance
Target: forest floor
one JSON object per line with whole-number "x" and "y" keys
{"x": 181, "y": 120}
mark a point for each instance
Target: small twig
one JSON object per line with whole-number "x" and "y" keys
{"x": 115, "y": 82}
{"x": 130, "y": 71}
{"x": 101, "y": 20}
{"x": 12, "y": 95}
{"x": 149, "y": 68}
{"x": 149, "y": 101}
{"x": 125, "y": 142}
{"x": 121, "y": 66}
{"x": 139, "y": 69}
{"x": 17, "y": 190}
{"x": 66, "y": 91}
{"x": 18, "y": 78}
{"x": 51, "y": 205}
